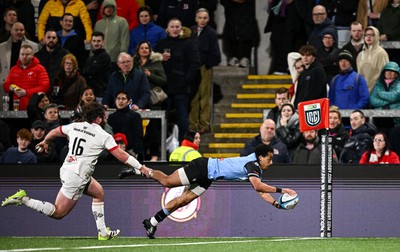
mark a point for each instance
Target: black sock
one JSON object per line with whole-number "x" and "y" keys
{"x": 160, "y": 216}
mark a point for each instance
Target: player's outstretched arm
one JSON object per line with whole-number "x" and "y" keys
{"x": 53, "y": 134}
{"x": 125, "y": 158}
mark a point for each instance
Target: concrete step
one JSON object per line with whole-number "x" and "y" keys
{"x": 244, "y": 115}
{"x": 253, "y": 105}
{"x": 261, "y": 86}
{"x": 269, "y": 77}
{"x": 255, "y": 96}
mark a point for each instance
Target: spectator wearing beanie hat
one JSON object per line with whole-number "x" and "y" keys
{"x": 21, "y": 154}
{"x": 188, "y": 149}
{"x": 348, "y": 89}
{"x": 120, "y": 139}
{"x": 327, "y": 54}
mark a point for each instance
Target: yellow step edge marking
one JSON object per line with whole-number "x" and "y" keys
{"x": 243, "y": 115}
{"x": 269, "y": 77}
{"x": 253, "y": 105}
{"x": 265, "y": 86}
{"x": 220, "y": 155}
{"x": 255, "y": 96}
{"x": 240, "y": 125}
{"x": 235, "y": 135}
{"x": 226, "y": 145}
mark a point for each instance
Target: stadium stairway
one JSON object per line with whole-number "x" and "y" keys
{"x": 239, "y": 114}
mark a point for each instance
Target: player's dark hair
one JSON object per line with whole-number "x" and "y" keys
{"x": 263, "y": 150}
{"x": 91, "y": 111}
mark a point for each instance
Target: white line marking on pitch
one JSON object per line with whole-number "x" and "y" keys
{"x": 157, "y": 245}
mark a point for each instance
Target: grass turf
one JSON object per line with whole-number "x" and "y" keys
{"x": 199, "y": 244}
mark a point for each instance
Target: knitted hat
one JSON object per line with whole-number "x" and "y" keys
{"x": 345, "y": 55}
{"x": 121, "y": 137}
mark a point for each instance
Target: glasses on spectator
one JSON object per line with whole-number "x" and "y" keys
{"x": 379, "y": 140}
{"x": 369, "y": 35}
{"x": 125, "y": 62}
{"x": 318, "y": 14}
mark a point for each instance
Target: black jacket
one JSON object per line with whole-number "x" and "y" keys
{"x": 51, "y": 61}
{"x": 96, "y": 71}
{"x": 207, "y": 45}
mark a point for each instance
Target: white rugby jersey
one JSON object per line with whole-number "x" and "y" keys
{"x": 86, "y": 142}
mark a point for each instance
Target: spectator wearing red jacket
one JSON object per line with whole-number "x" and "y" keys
{"x": 28, "y": 77}
{"x": 380, "y": 154}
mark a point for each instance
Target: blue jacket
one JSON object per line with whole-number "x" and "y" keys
{"x": 135, "y": 84}
{"x": 150, "y": 32}
{"x": 345, "y": 93}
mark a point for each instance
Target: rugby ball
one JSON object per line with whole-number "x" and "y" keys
{"x": 288, "y": 202}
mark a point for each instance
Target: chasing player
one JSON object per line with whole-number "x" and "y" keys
{"x": 86, "y": 141}
{"x": 200, "y": 173}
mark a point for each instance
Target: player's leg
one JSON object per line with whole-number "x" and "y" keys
{"x": 96, "y": 191}
{"x": 58, "y": 210}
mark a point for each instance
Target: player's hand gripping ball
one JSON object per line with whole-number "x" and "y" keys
{"x": 288, "y": 202}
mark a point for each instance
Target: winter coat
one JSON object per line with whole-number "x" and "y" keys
{"x": 289, "y": 134}
{"x": 135, "y": 83}
{"x": 75, "y": 45}
{"x": 339, "y": 138}
{"x": 371, "y": 60}
{"x": 384, "y": 96}
{"x": 370, "y": 157}
{"x": 96, "y": 71}
{"x": 33, "y": 79}
{"x": 150, "y": 32}
{"x": 207, "y": 45}
{"x": 116, "y": 32}
{"x": 389, "y": 22}
{"x": 51, "y": 61}
{"x": 349, "y": 91}
{"x": 311, "y": 84}
{"x": 53, "y": 11}
{"x": 320, "y": 30}
{"x": 71, "y": 89}
{"x": 360, "y": 141}
{"x": 281, "y": 154}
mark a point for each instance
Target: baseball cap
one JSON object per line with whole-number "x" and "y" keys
{"x": 121, "y": 137}
{"x": 38, "y": 124}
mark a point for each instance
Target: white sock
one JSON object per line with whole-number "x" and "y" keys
{"x": 153, "y": 221}
{"x": 43, "y": 207}
{"x": 98, "y": 214}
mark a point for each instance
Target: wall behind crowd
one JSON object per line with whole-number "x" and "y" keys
{"x": 264, "y": 60}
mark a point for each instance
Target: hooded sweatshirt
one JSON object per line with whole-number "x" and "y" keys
{"x": 371, "y": 60}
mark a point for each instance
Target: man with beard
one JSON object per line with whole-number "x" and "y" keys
{"x": 356, "y": 43}
{"x": 86, "y": 142}
{"x": 51, "y": 54}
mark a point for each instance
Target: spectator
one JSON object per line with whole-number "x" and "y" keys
{"x": 51, "y": 54}
{"x": 70, "y": 40}
{"x": 181, "y": 65}
{"x": 52, "y": 121}
{"x": 189, "y": 149}
{"x": 128, "y": 122}
{"x": 93, "y": 9}
{"x": 54, "y": 11}
{"x": 11, "y": 50}
{"x": 38, "y": 133}
{"x": 380, "y": 153}
{"x": 36, "y": 107}
{"x": 240, "y": 34}
{"x": 268, "y": 136}
{"x": 287, "y": 128}
{"x": 69, "y": 83}
{"x": 126, "y": 9}
{"x": 348, "y": 89}
{"x": 10, "y": 18}
{"x": 342, "y": 13}
{"x": 296, "y": 67}
{"x": 369, "y": 15}
{"x": 312, "y": 82}
{"x": 21, "y": 154}
{"x": 28, "y": 77}
{"x": 151, "y": 63}
{"x": 356, "y": 43}
{"x": 389, "y": 22}
{"x": 211, "y": 7}
{"x": 281, "y": 97}
{"x": 5, "y": 141}
{"x": 146, "y": 31}
{"x": 26, "y": 15}
{"x": 321, "y": 24}
{"x": 184, "y": 10}
{"x": 129, "y": 79}
{"x": 327, "y": 55}
{"x": 115, "y": 30}
{"x": 86, "y": 97}
{"x": 360, "y": 140}
{"x": 205, "y": 38}
{"x": 386, "y": 94}
{"x": 97, "y": 68}
{"x": 372, "y": 58}
{"x": 308, "y": 152}
{"x": 337, "y": 131}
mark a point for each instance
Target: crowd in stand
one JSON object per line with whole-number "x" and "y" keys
{"x": 116, "y": 52}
